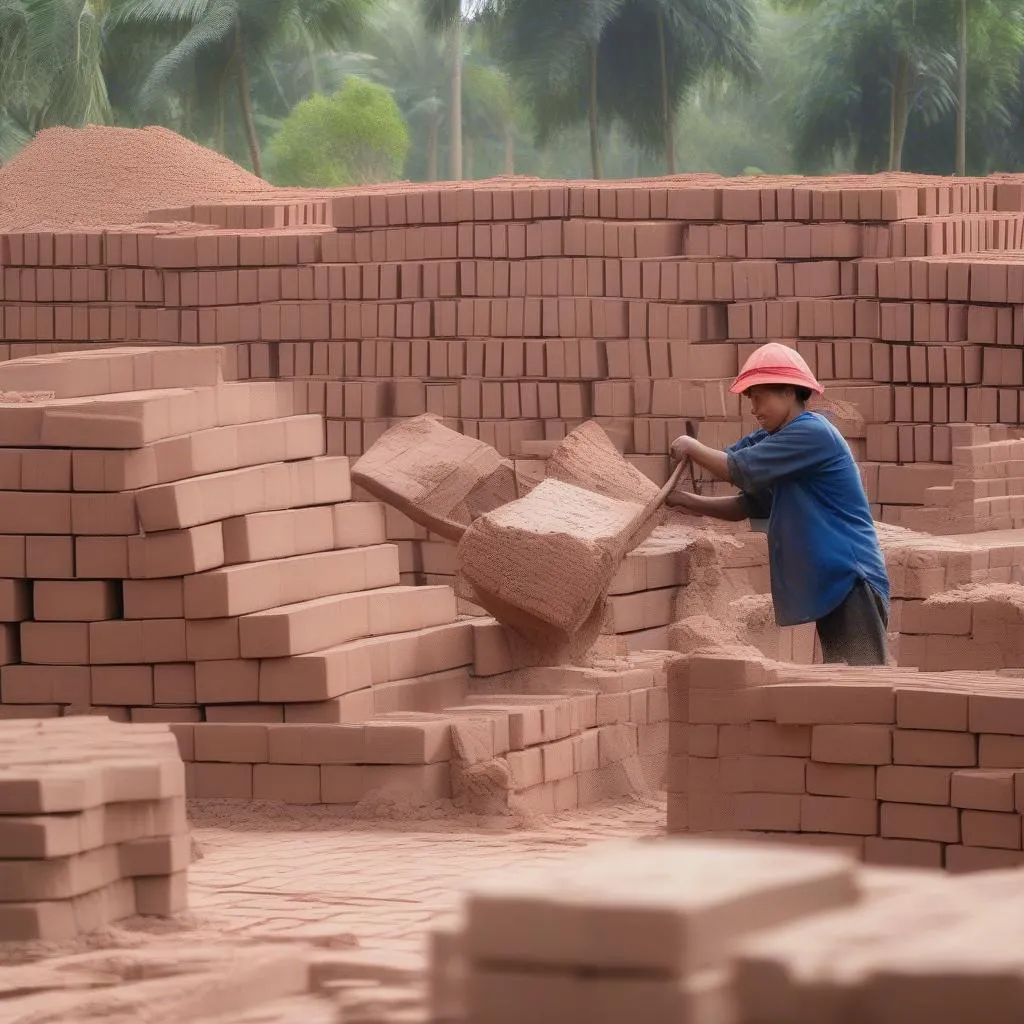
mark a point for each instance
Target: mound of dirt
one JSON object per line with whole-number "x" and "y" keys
{"x": 94, "y": 176}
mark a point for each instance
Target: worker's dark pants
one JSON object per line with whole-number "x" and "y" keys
{"x": 855, "y": 632}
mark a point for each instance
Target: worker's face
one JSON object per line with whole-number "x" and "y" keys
{"x": 772, "y": 405}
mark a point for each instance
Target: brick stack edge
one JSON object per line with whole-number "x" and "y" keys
{"x": 179, "y": 549}
{"x": 901, "y": 767}
{"x": 93, "y": 826}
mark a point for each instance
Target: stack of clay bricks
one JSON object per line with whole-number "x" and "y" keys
{"x": 556, "y": 739}
{"x": 987, "y": 492}
{"x": 178, "y": 549}
{"x": 94, "y": 828}
{"x": 902, "y": 767}
{"x": 625, "y": 930}
{"x": 730, "y": 933}
{"x": 518, "y": 308}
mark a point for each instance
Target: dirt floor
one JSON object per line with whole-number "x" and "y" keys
{"x": 290, "y": 888}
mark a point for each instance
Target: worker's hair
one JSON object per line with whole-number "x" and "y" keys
{"x": 802, "y": 394}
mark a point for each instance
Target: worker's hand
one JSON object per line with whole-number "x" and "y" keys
{"x": 681, "y": 447}
{"x": 680, "y": 500}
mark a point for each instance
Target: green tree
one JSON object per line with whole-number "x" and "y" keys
{"x": 354, "y": 137}
{"x": 444, "y": 17}
{"x": 223, "y": 39}
{"x": 630, "y": 61}
{"x": 885, "y": 79}
{"x": 51, "y": 69}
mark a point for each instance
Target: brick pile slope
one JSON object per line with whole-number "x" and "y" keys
{"x": 94, "y": 829}
{"x": 99, "y": 175}
{"x": 518, "y": 308}
{"x": 903, "y": 767}
{"x": 179, "y": 549}
{"x": 729, "y": 933}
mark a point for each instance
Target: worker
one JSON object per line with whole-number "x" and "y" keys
{"x": 797, "y": 472}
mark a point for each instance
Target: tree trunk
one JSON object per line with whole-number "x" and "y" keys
{"x": 898, "y": 112}
{"x": 432, "y": 132}
{"x": 961, "y": 96}
{"x": 245, "y": 98}
{"x": 470, "y": 161}
{"x": 218, "y": 131}
{"x": 510, "y": 148}
{"x": 455, "y": 40}
{"x": 314, "y": 70}
{"x": 667, "y": 113}
{"x": 595, "y": 142}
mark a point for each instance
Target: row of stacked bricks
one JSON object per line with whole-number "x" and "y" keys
{"x": 728, "y": 933}
{"x": 518, "y": 309}
{"x": 902, "y": 767}
{"x": 92, "y": 815}
{"x": 178, "y": 549}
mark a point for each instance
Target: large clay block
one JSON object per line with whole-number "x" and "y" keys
{"x": 176, "y": 552}
{"x": 256, "y": 586}
{"x": 362, "y": 663}
{"x": 38, "y": 512}
{"x": 666, "y": 909}
{"x": 43, "y": 469}
{"x": 543, "y": 563}
{"x": 587, "y": 458}
{"x": 438, "y": 477}
{"x": 263, "y": 488}
{"x": 108, "y": 371}
{"x": 200, "y": 453}
{"x": 329, "y": 621}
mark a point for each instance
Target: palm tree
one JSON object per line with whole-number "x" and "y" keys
{"x": 445, "y": 17}
{"x": 863, "y": 57}
{"x": 203, "y": 36}
{"x": 50, "y": 68}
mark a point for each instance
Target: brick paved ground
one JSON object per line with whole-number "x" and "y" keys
{"x": 313, "y": 877}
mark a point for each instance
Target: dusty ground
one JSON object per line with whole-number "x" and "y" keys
{"x": 278, "y": 889}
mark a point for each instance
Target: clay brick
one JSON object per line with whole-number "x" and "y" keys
{"x": 289, "y": 783}
{"x": 961, "y": 859}
{"x": 423, "y": 741}
{"x": 914, "y": 785}
{"x": 904, "y": 853}
{"x": 843, "y": 815}
{"x": 850, "y": 780}
{"x": 74, "y": 600}
{"x": 175, "y": 552}
{"x": 55, "y": 643}
{"x": 931, "y": 709}
{"x": 991, "y": 828}
{"x": 256, "y": 586}
{"x": 832, "y": 703}
{"x": 231, "y": 743}
{"x": 206, "y": 499}
{"x": 222, "y": 781}
{"x": 983, "y": 789}
{"x": 927, "y": 747}
{"x": 317, "y": 744}
{"x": 852, "y": 744}
{"x": 920, "y": 821}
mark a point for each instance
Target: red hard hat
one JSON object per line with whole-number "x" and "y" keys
{"x": 775, "y": 363}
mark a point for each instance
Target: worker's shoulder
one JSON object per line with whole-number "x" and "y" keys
{"x": 812, "y": 426}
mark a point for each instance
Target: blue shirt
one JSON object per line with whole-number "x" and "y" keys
{"x": 821, "y": 535}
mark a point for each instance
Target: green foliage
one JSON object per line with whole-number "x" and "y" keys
{"x": 354, "y": 137}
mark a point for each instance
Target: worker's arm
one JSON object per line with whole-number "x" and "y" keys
{"x": 711, "y": 459}
{"x": 732, "y": 508}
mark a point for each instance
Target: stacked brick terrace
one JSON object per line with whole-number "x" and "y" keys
{"x": 902, "y": 767}
{"x": 517, "y": 308}
{"x": 177, "y": 549}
